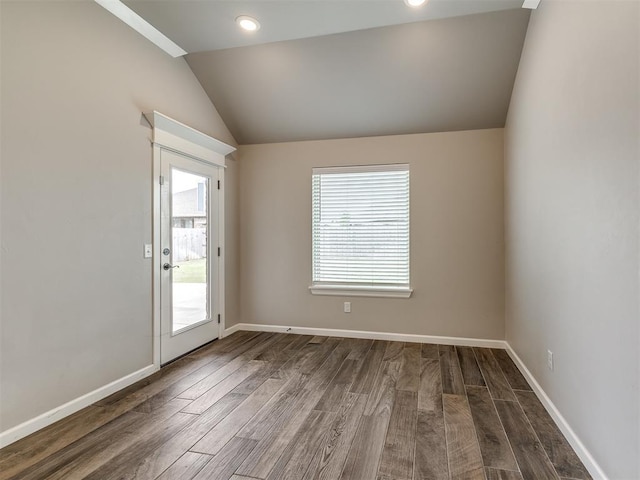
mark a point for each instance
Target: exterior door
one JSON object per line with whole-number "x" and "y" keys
{"x": 189, "y": 254}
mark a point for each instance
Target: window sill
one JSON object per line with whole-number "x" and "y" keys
{"x": 361, "y": 291}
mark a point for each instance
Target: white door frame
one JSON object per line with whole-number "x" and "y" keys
{"x": 174, "y": 136}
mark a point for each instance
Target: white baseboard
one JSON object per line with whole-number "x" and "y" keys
{"x": 232, "y": 329}
{"x": 30, "y": 426}
{"x": 396, "y": 337}
{"x": 587, "y": 459}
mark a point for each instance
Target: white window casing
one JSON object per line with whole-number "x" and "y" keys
{"x": 360, "y": 231}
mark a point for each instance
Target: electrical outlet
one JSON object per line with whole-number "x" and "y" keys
{"x": 148, "y": 250}
{"x": 347, "y": 307}
{"x": 550, "y": 360}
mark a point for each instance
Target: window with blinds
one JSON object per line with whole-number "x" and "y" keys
{"x": 361, "y": 227}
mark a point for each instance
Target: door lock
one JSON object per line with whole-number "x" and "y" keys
{"x": 166, "y": 266}
{"x": 166, "y": 251}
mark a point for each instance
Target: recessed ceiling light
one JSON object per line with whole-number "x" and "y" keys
{"x": 415, "y": 3}
{"x": 247, "y": 23}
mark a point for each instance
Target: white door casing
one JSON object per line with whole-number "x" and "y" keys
{"x": 187, "y": 146}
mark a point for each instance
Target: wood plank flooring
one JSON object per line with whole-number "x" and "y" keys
{"x": 266, "y": 406}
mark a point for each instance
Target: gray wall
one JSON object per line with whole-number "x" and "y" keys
{"x": 571, "y": 155}
{"x": 457, "y": 253}
{"x": 76, "y": 198}
{"x": 232, "y": 242}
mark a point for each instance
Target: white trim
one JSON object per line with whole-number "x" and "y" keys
{"x": 223, "y": 252}
{"x": 176, "y": 137}
{"x": 173, "y": 150}
{"x": 531, "y": 4}
{"x": 396, "y": 337}
{"x": 140, "y": 25}
{"x": 233, "y": 329}
{"x": 157, "y": 255}
{"x": 389, "y": 167}
{"x": 344, "y": 275}
{"x": 183, "y": 139}
{"x": 41, "y": 421}
{"x": 587, "y": 459}
{"x": 361, "y": 291}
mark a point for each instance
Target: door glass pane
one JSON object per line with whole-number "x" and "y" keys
{"x": 189, "y": 220}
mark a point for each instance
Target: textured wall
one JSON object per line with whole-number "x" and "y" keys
{"x": 457, "y": 249}
{"x": 572, "y": 219}
{"x": 76, "y": 198}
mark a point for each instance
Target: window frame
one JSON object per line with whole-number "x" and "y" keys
{"x": 358, "y": 289}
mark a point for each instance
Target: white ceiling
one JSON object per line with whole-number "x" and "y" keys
{"x": 320, "y": 69}
{"x": 203, "y": 25}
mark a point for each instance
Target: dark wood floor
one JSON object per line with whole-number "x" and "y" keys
{"x": 277, "y": 406}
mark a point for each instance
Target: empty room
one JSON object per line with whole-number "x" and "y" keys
{"x": 320, "y": 239}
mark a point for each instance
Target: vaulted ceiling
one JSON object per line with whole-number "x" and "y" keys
{"x": 321, "y": 69}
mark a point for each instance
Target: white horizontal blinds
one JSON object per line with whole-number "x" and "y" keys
{"x": 361, "y": 225}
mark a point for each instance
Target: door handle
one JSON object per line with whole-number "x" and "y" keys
{"x": 166, "y": 266}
